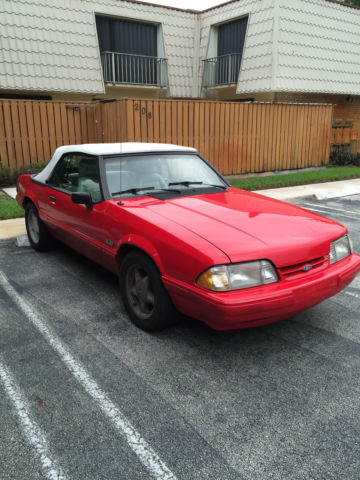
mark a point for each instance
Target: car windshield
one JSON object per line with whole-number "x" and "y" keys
{"x": 135, "y": 175}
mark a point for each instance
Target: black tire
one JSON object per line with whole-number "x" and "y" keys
{"x": 146, "y": 301}
{"x": 39, "y": 237}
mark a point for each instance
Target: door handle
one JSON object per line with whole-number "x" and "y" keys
{"x": 52, "y": 198}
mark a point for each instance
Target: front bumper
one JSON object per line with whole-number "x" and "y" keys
{"x": 261, "y": 305}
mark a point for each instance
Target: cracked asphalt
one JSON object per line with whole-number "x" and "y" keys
{"x": 277, "y": 402}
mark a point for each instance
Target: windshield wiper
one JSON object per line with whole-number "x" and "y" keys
{"x": 223, "y": 187}
{"x": 186, "y": 183}
{"x": 175, "y": 190}
{"x": 133, "y": 190}
{"x": 136, "y": 190}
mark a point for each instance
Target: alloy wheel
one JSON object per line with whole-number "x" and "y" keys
{"x": 33, "y": 225}
{"x": 139, "y": 292}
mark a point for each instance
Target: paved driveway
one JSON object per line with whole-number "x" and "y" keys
{"x": 85, "y": 395}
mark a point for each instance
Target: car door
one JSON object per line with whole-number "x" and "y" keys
{"x": 75, "y": 224}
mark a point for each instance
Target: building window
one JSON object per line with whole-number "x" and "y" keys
{"x": 129, "y": 52}
{"x": 224, "y": 69}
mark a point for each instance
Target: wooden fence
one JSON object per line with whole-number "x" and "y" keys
{"x": 30, "y": 131}
{"x": 234, "y": 137}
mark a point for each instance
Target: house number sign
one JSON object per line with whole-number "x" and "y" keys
{"x": 142, "y": 110}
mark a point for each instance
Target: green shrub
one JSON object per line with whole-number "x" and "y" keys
{"x": 9, "y": 176}
{"x": 343, "y": 158}
{"x": 5, "y": 175}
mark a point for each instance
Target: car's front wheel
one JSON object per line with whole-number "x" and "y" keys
{"x": 144, "y": 296}
{"x": 39, "y": 237}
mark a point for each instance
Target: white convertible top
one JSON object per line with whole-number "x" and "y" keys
{"x": 108, "y": 149}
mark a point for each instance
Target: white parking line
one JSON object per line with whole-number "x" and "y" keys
{"x": 351, "y": 294}
{"x": 142, "y": 449}
{"x": 31, "y": 430}
{"x": 356, "y": 282}
{"x": 331, "y": 208}
{"x": 327, "y": 213}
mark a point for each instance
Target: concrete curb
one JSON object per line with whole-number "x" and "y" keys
{"x": 12, "y": 228}
{"x": 321, "y": 191}
{"x": 11, "y": 191}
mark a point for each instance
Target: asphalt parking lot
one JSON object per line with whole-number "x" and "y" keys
{"x": 86, "y": 395}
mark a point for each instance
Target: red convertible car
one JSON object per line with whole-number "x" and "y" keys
{"x": 182, "y": 239}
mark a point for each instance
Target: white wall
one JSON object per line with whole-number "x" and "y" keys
{"x": 53, "y": 45}
{"x": 318, "y": 47}
{"x": 290, "y": 45}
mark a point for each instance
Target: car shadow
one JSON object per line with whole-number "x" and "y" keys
{"x": 189, "y": 330}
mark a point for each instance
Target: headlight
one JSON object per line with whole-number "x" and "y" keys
{"x": 236, "y": 276}
{"x": 340, "y": 248}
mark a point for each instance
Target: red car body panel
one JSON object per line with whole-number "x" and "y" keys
{"x": 185, "y": 236}
{"x": 247, "y": 226}
{"x": 262, "y": 305}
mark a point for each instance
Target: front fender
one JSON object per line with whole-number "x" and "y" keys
{"x": 144, "y": 244}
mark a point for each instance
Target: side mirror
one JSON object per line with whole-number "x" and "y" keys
{"x": 82, "y": 198}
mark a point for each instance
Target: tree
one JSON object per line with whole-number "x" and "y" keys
{"x": 353, "y": 2}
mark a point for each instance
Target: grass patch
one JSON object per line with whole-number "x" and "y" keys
{"x": 9, "y": 208}
{"x": 299, "y": 178}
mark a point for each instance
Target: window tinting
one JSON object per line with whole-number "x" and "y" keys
{"x": 77, "y": 172}
{"x": 122, "y": 36}
{"x": 231, "y": 37}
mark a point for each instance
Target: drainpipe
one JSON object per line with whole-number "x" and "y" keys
{"x": 195, "y": 91}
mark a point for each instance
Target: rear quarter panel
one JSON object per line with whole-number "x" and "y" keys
{"x": 25, "y": 189}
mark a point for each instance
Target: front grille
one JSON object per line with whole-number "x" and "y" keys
{"x": 300, "y": 268}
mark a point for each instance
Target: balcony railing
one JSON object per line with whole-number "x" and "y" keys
{"x": 134, "y": 69}
{"x": 223, "y": 70}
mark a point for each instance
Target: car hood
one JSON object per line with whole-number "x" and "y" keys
{"x": 248, "y": 226}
